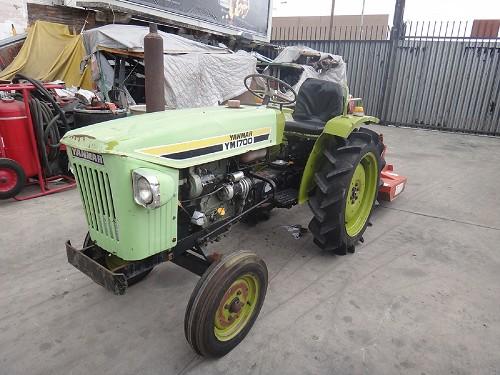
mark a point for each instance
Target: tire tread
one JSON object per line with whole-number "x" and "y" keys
{"x": 332, "y": 180}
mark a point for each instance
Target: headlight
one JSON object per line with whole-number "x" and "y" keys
{"x": 146, "y": 189}
{"x": 144, "y": 192}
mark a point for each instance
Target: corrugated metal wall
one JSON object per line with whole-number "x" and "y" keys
{"x": 440, "y": 78}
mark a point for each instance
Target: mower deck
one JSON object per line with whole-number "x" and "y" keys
{"x": 393, "y": 184}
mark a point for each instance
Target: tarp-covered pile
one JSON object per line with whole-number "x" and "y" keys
{"x": 50, "y": 53}
{"x": 196, "y": 74}
{"x": 131, "y": 38}
{"x": 302, "y": 62}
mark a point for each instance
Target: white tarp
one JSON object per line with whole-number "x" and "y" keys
{"x": 196, "y": 74}
{"x": 335, "y": 74}
{"x": 197, "y": 80}
{"x": 131, "y": 38}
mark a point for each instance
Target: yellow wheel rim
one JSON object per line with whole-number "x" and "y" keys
{"x": 362, "y": 190}
{"x": 236, "y": 307}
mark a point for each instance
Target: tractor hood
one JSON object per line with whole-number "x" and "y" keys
{"x": 182, "y": 138}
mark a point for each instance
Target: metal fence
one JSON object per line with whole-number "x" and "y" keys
{"x": 434, "y": 75}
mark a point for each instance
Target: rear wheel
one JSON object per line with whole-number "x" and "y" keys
{"x": 12, "y": 178}
{"x": 114, "y": 263}
{"x": 346, "y": 189}
{"x": 225, "y": 303}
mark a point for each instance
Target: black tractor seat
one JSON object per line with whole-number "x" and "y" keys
{"x": 318, "y": 101}
{"x": 314, "y": 127}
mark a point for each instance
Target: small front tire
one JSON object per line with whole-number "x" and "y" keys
{"x": 225, "y": 303}
{"x": 12, "y": 178}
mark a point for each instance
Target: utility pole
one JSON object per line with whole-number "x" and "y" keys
{"x": 362, "y": 20}
{"x": 362, "y": 14}
{"x": 331, "y": 19}
{"x": 397, "y": 22}
{"x": 396, "y": 32}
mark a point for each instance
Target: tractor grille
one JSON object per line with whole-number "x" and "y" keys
{"x": 97, "y": 199}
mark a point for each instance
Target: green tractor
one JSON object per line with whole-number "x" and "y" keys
{"x": 160, "y": 186}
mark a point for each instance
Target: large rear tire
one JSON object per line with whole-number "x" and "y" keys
{"x": 225, "y": 303}
{"x": 346, "y": 189}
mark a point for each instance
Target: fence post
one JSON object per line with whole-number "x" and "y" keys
{"x": 396, "y": 33}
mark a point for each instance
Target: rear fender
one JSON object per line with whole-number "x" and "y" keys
{"x": 337, "y": 127}
{"x": 342, "y": 126}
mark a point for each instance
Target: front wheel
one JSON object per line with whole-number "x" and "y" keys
{"x": 225, "y": 303}
{"x": 346, "y": 190}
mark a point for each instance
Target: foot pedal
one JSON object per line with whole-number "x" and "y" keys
{"x": 286, "y": 198}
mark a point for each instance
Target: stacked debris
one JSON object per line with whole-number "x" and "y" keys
{"x": 109, "y": 60}
{"x": 9, "y": 48}
{"x": 295, "y": 64}
{"x": 195, "y": 74}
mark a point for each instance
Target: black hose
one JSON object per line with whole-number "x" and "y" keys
{"x": 52, "y": 133}
{"x": 37, "y": 119}
{"x": 46, "y": 129}
{"x": 46, "y": 115}
{"x": 46, "y": 94}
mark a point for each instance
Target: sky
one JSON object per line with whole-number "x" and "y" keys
{"x": 415, "y": 10}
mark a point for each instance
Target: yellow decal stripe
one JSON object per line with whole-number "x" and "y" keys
{"x": 193, "y": 145}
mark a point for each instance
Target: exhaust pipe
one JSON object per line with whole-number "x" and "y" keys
{"x": 154, "y": 72}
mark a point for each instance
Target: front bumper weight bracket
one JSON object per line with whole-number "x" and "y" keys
{"x": 114, "y": 282}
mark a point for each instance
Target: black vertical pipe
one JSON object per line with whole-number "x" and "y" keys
{"x": 490, "y": 99}
{"x": 450, "y": 89}
{"x": 415, "y": 86}
{"x": 396, "y": 33}
{"x": 423, "y": 79}
{"x": 471, "y": 113}
{"x": 465, "y": 79}
{"x": 446, "y": 54}
{"x": 484, "y": 102}
{"x": 432, "y": 82}
{"x": 371, "y": 92}
{"x": 154, "y": 72}
{"x": 411, "y": 62}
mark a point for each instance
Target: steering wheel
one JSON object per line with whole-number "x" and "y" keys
{"x": 272, "y": 93}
